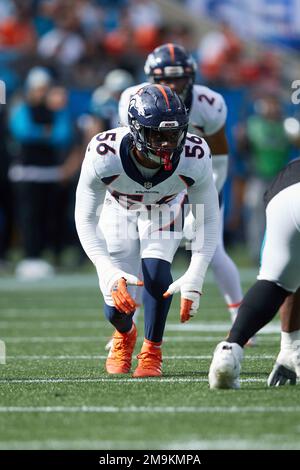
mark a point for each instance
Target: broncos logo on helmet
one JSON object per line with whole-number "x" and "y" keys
{"x": 137, "y": 102}
{"x": 171, "y": 65}
{"x": 158, "y": 122}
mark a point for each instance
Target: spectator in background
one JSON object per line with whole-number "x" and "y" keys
{"x": 44, "y": 19}
{"x": 6, "y": 208}
{"x": 144, "y": 14}
{"x": 179, "y": 34}
{"x": 225, "y": 62}
{"x": 6, "y": 9}
{"x": 41, "y": 126}
{"x": 137, "y": 32}
{"x": 266, "y": 146}
{"x": 145, "y": 19}
{"x": 65, "y": 43}
{"x": 220, "y": 56}
{"x": 105, "y": 99}
{"x": 90, "y": 17}
{"x": 17, "y": 31}
{"x": 104, "y": 105}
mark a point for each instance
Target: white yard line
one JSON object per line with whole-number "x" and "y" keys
{"x": 218, "y": 327}
{"x": 54, "y": 339}
{"x": 150, "y": 409}
{"x": 22, "y": 311}
{"x": 101, "y": 357}
{"x": 98, "y": 339}
{"x": 58, "y": 282}
{"x": 206, "y": 327}
{"x": 55, "y": 358}
{"x": 71, "y": 281}
{"x": 54, "y": 314}
{"x": 120, "y": 380}
{"x": 67, "y": 313}
{"x": 53, "y": 324}
{"x": 270, "y": 442}
{"x": 76, "y": 444}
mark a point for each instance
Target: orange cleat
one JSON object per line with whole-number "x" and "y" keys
{"x": 150, "y": 360}
{"x": 119, "y": 357}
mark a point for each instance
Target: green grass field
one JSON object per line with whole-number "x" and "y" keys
{"x": 55, "y": 394}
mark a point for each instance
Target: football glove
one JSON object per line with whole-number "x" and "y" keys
{"x": 121, "y": 297}
{"x": 190, "y": 296}
{"x": 115, "y": 281}
{"x": 280, "y": 375}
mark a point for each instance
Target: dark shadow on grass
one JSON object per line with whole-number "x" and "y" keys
{"x": 197, "y": 374}
{"x": 254, "y": 374}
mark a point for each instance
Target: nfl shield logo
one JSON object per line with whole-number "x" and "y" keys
{"x": 148, "y": 185}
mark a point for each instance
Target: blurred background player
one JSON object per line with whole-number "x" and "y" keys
{"x": 171, "y": 65}
{"x": 41, "y": 126}
{"x": 266, "y": 147}
{"x": 133, "y": 178}
{"x": 279, "y": 276}
{"x": 104, "y": 105}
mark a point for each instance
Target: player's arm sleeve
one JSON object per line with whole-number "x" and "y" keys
{"x": 219, "y": 148}
{"x": 203, "y": 198}
{"x": 90, "y": 196}
{"x": 220, "y": 170}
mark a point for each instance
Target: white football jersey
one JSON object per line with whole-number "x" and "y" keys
{"x": 109, "y": 168}
{"x": 108, "y": 157}
{"x": 208, "y": 112}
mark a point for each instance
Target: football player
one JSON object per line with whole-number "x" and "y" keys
{"x": 278, "y": 278}
{"x": 171, "y": 65}
{"x": 133, "y": 178}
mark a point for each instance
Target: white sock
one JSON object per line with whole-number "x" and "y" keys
{"x": 290, "y": 340}
{"x": 233, "y": 310}
{"x": 227, "y": 277}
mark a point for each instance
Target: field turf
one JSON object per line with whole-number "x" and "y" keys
{"x": 55, "y": 394}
